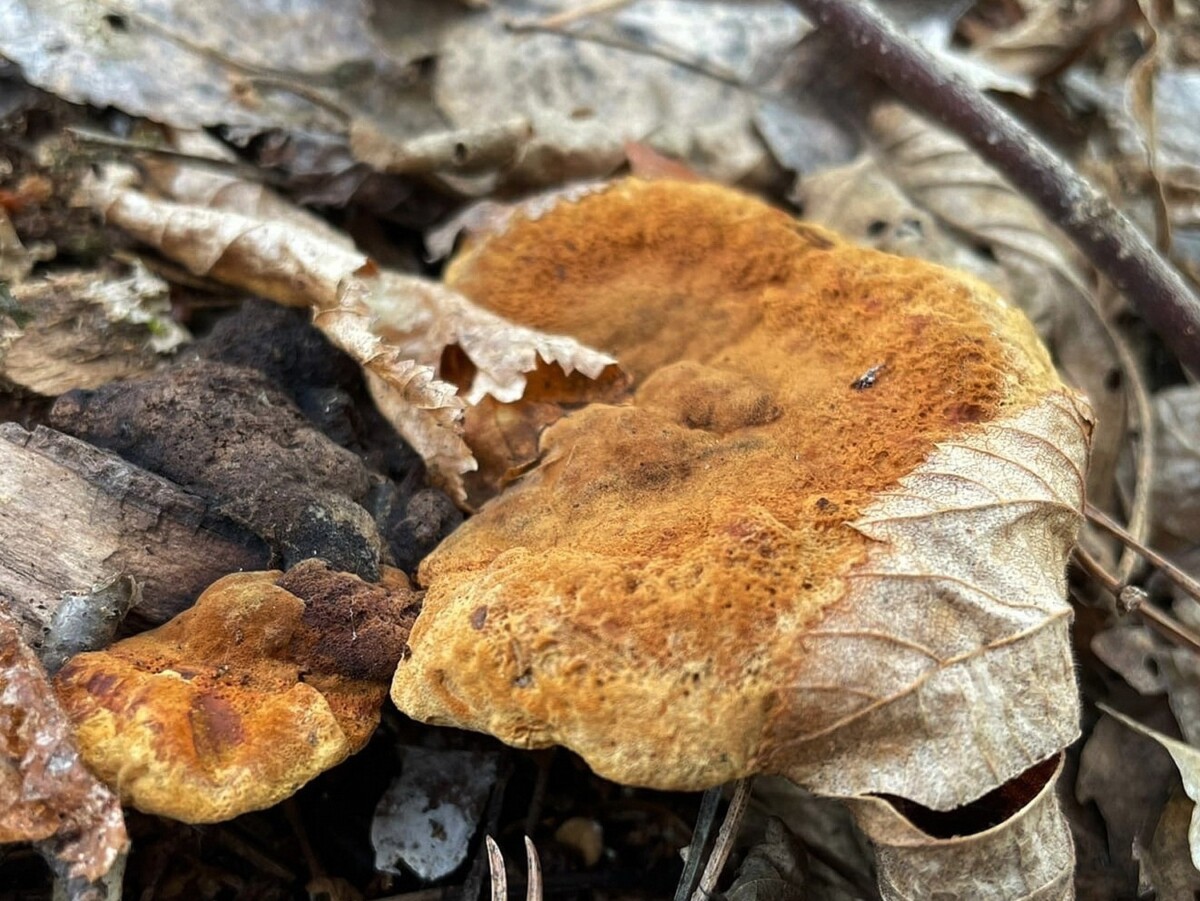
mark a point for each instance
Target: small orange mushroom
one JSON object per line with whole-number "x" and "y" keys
{"x": 824, "y": 535}
{"x": 267, "y": 681}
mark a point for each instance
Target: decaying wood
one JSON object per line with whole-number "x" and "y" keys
{"x": 72, "y": 515}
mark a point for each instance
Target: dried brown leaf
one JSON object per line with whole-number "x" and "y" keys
{"x": 396, "y": 326}
{"x": 46, "y": 794}
{"x": 1125, "y": 798}
{"x": 637, "y": 73}
{"x": 1166, "y": 863}
{"x": 1048, "y": 35}
{"x": 1175, "y": 501}
{"x": 1187, "y": 761}
{"x": 773, "y": 870}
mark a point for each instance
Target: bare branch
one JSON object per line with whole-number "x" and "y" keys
{"x": 1110, "y": 241}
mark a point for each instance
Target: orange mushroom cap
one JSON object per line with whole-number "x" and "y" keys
{"x": 267, "y": 681}
{"x": 834, "y": 506}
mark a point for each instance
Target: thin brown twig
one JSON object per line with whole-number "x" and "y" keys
{"x": 1147, "y": 449}
{"x": 233, "y": 168}
{"x": 1130, "y": 597}
{"x": 667, "y": 54}
{"x": 1110, "y": 241}
{"x": 1181, "y": 579}
{"x": 1096, "y": 571}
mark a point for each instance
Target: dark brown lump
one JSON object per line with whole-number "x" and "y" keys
{"x": 352, "y": 628}
{"x": 328, "y": 388}
{"x": 231, "y": 435}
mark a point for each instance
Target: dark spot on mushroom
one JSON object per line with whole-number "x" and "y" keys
{"x": 216, "y": 725}
{"x": 965, "y": 412}
{"x": 100, "y": 685}
{"x": 479, "y": 617}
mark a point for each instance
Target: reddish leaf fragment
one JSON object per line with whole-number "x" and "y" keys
{"x": 46, "y": 794}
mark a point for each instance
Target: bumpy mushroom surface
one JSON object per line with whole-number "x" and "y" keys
{"x": 823, "y": 536}
{"x": 269, "y": 680}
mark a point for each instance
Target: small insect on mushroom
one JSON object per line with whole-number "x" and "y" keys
{"x": 868, "y": 378}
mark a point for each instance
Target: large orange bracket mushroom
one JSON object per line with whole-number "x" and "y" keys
{"x": 824, "y": 535}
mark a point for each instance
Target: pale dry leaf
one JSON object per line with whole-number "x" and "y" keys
{"x": 188, "y": 62}
{"x": 585, "y": 98}
{"x": 428, "y": 816}
{"x": 1027, "y": 857}
{"x": 396, "y": 326}
{"x": 1180, "y": 670}
{"x": 773, "y": 870}
{"x": 1132, "y": 651}
{"x": 1048, "y": 35}
{"x": 1187, "y": 761}
{"x": 48, "y": 795}
{"x": 933, "y": 24}
{"x": 1124, "y": 798}
{"x": 984, "y": 661}
{"x": 1175, "y": 500}
{"x": 1166, "y": 862}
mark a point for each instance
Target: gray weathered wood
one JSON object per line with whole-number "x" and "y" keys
{"x": 72, "y": 515}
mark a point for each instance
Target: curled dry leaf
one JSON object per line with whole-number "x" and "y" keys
{"x": 1027, "y": 856}
{"x": 826, "y": 537}
{"x": 773, "y": 870}
{"x": 46, "y": 793}
{"x": 1048, "y": 35}
{"x": 397, "y": 326}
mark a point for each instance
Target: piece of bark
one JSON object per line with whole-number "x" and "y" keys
{"x": 82, "y": 330}
{"x": 228, "y": 434}
{"x": 74, "y": 515}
